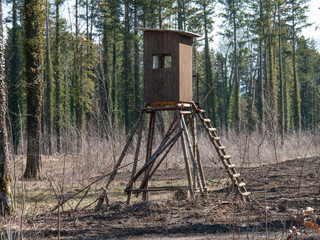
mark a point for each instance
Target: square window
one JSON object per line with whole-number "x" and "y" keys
{"x": 161, "y": 61}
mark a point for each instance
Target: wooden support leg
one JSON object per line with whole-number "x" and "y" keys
{"x": 169, "y": 146}
{"x": 191, "y": 153}
{"x": 166, "y": 136}
{"x": 145, "y": 195}
{"x": 186, "y": 161}
{"x": 136, "y": 157}
{"x": 196, "y": 152}
{"x": 163, "y": 146}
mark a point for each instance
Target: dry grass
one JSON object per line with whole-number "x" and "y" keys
{"x": 67, "y": 173}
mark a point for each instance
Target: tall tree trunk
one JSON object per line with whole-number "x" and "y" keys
{"x": 114, "y": 80}
{"x": 260, "y": 85}
{"x": 104, "y": 85}
{"x": 296, "y": 93}
{"x": 286, "y": 103}
{"x": 48, "y": 82}
{"x": 227, "y": 100}
{"x": 136, "y": 61}
{"x": 57, "y": 76}
{"x": 212, "y": 99}
{"x": 281, "y": 100}
{"x": 160, "y": 13}
{"x": 182, "y": 14}
{"x": 6, "y": 198}
{"x": 78, "y": 82}
{"x": 14, "y": 67}
{"x": 180, "y": 22}
{"x": 271, "y": 85}
{"x": 126, "y": 68}
{"x": 251, "y": 118}
{"x": 237, "y": 114}
{"x": 33, "y": 27}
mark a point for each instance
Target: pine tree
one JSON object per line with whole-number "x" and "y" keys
{"x": 223, "y": 93}
{"x": 260, "y": 82}
{"x": 205, "y": 9}
{"x": 107, "y": 88}
{"x": 270, "y": 70}
{"x": 77, "y": 76}
{"x": 57, "y": 69}
{"x": 236, "y": 92}
{"x": 33, "y": 29}
{"x": 48, "y": 90}
{"x": 287, "y": 85}
{"x": 13, "y": 76}
{"x": 150, "y": 15}
{"x": 281, "y": 87}
{"x": 126, "y": 95}
{"x": 233, "y": 15}
{"x": 307, "y": 53}
{"x": 137, "y": 62}
{"x": 297, "y": 17}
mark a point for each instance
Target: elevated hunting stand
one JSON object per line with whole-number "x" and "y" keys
{"x": 168, "y": 88}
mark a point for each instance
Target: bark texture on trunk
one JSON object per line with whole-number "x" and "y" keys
{"x": 6, "y": 199}
{"x": 33, "y": 26}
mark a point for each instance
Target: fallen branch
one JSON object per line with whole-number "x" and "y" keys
{"x": 85, "y": 188}
{"x": 75, "y": 209}
{"x": 90, "y": 204}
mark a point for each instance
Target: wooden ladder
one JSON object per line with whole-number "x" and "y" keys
{"x": 237, "y": 181}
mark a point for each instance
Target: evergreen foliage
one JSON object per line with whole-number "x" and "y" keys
{"x": 13, "y": 58}
{"x": 89, "y": 74}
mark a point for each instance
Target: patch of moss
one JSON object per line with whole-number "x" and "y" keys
{"x": 5, "y": 183}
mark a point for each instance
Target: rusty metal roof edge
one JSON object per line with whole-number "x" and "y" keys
{"x": 186, "y": 33}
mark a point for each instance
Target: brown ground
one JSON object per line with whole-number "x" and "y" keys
{"x": 278, "y": 191}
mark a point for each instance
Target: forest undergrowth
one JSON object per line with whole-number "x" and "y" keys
{"x": 69, "y": 173}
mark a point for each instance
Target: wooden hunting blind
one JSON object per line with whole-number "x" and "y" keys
{"x": 167, "y": 66}
{"x": 168, "y": 88}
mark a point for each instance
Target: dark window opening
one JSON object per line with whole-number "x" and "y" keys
{"x": 161, "y": 61}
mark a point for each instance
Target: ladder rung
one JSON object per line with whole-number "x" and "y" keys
{"x": 245, "y": 193}
{"x": 216, "y": 138}
{"x": 236, "y": 175}
{"x": 231, "y": 166}
{"x": 201, "y": 111}
{"x": 206, "y": 120}
{"x": 242, "y": 184}
{"x": 211, "y": 129}
{"x": 221, "y": 147}
{"x": 185, "y": 112}
{"x": 226, "y": 156}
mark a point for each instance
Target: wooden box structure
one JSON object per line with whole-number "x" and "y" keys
{"x": 167, "y": 66}
{"x": 168, "y": 88}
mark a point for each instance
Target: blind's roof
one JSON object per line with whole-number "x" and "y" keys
{"x": 185, "y": 33}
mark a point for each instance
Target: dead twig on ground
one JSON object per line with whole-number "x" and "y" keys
{"x": 86, "y": 187}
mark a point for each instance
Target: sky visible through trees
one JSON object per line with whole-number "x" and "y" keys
{"x": 84, "y": 73}
{"x": 312, "y": 32}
